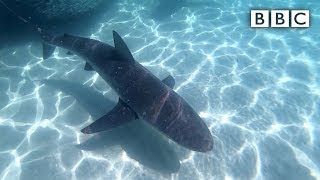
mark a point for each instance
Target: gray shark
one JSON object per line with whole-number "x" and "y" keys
{"x": 142, "y": 94}
{"x": 137, "y": 138}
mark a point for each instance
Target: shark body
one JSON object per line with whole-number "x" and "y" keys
{"x": 141, "y": 94}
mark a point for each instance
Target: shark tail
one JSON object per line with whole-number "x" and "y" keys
{"x": 47, "y": 49}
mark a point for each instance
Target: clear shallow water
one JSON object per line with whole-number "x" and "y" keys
{"x": 257, "y": 90}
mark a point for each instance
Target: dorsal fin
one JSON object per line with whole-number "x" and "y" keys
{"x": 121, "y": 47}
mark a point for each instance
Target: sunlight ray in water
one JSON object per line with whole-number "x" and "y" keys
{"x": 256, "y": 89}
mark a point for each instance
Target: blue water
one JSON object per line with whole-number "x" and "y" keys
{"x": 258, "y": 90}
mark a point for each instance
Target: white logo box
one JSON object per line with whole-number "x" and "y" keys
{"x": 280, "y": 18}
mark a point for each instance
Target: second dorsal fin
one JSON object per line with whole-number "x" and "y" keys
{"x": 121, "y": 47}
{"x": 169, "y": 81}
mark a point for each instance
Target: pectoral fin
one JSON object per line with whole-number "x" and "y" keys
{"x": 119, "y": 115}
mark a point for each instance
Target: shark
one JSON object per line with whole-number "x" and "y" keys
{"x": 141, "y": 94}
{"x": 138, "y": 139}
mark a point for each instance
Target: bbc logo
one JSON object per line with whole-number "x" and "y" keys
{"x": 280, "y": 18}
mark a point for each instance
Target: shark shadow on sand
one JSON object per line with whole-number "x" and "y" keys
{"x": 138, "y": 139}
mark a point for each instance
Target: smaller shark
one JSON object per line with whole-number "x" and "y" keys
{"x": 137, "y": 138}
{"x": 142, "y": 94}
